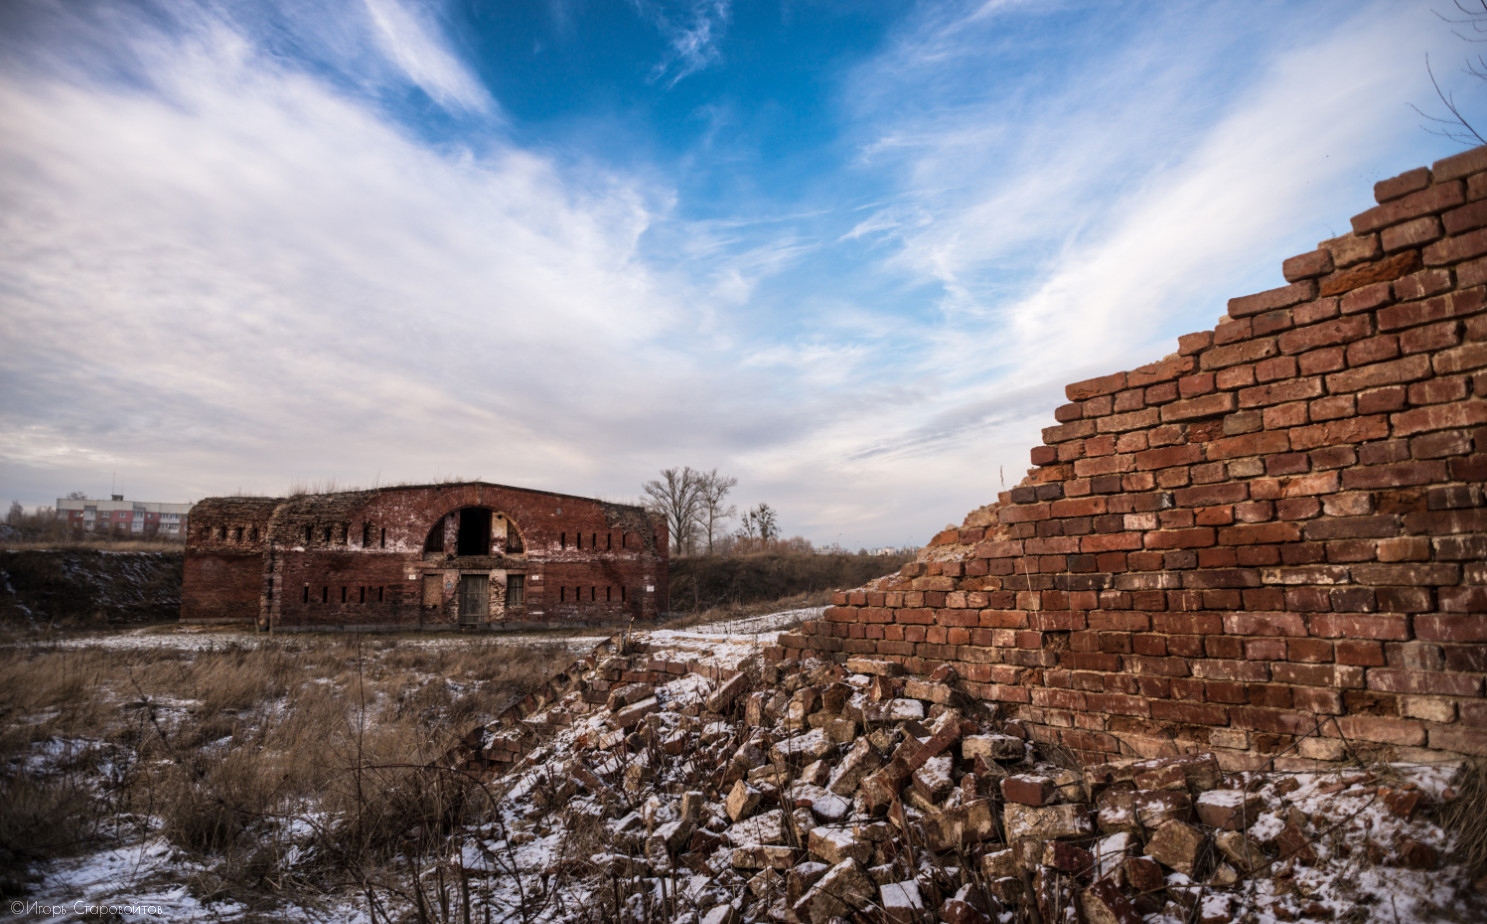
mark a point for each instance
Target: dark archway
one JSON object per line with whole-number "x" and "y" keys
{"x": 474, "y": 532}
{"x": 474, "y": 536}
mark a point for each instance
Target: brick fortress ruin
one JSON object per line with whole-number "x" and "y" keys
{"x": 470, "y": 555}
{"x": 1272, "y": 543}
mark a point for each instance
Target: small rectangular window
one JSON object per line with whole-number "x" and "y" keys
{"x": 366, "y": 535}
{"x": 343, "y": 594}
{"x": 384, "y": 537}
{"x": 379, "y": 595}
{"x": 237, "y": 534}
{"x": 325, "y": 537}
{"x": 309, "y": 534}
{"x": 593, "y": 540}
{"x": 363, "y": 595}
{"x": 608, "y": 594}
{"x": 562, "y": 594}
{"x": 608, "y": 541}
{"x": 622, "y": 594}
{"x": 593, "y": 593}
{"x": 562, "y": 540}
{"x": 516, "y": 590}
{"x": 307, "y": 593}
{"x": 324, "y": 594}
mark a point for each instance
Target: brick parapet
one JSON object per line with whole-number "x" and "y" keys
{"x": 1272, "y": 542}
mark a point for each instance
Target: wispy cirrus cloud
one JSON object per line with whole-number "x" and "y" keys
{"x": 232, "y": 256}
{"x": 1073, "y": 221}
{"x": 692, "y": 34}
{"x": 409, "y": 36}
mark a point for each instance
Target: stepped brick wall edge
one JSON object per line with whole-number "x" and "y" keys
{"x": 1271, "y": 545}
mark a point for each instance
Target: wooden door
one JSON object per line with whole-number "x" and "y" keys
{"x": 474, "y": 597}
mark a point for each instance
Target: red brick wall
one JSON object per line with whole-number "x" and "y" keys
{"x": 357, "y": 560}
{"x": 1271, "y": 544}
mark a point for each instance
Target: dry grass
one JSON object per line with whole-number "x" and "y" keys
{"x": 96, "y": 544}
{"x": 1466, "y": 817}
{"x": 250, "y": 757}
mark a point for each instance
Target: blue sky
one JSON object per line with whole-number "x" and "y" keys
{"x": 847, "y": 252}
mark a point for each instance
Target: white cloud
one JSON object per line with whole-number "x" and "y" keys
{"x": 409, "y": 37}
{"x": 240, "y": 272}
{"x": 692, "y": 44}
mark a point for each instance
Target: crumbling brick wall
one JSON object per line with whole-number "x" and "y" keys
{"x": 359, "y": 559}
{"x": 1271, "y": 542}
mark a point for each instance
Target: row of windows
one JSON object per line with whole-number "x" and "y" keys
{"x": 236, "y": 532}
{"x": 593, "y": 541}
{"x": 577, "y": 595}
{"x": 340, "y": 534}
{"x": 515, "y": 593}
{"x": 362, "y": 594}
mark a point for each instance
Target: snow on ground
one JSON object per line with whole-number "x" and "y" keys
{"x": 1360, "y": 831}
{"x": 146, "y": 881}
{"x": 191, "y": 638}
{"x": 767, "y": 624}
{"x": 756, "y": 629}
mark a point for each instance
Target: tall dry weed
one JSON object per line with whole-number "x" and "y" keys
{"x": 234, "y": 754}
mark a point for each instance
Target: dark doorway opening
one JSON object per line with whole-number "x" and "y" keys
{"x": 475, "y": 532}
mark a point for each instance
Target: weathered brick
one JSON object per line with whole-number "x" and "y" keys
{"x": 1367, "y": 274}
{"x": 1465, "y": 218}
{"x": 1307, "y": 265}
{"x": 1459, "y": 165}
{"x": 1367, "y": 298}
{"x": 1210, "y": 405}
{"x": 1409, "y": 369}
{"x": 1462, "y": 359}
{"x": 1455, "y": 305}
{"x": 1422, "y": 284}
{"x": 1411, "y": 234}
{"x": 1091, "y": 388}
{"x": 1350, "y": 249}
{"x": 1436, "y": 198}
{"x": 1271, "y": 299}
{"x": 1341, "y": 330}
{"x": 1458, "y": 248}
{"x": 1407, "y": 182}
{"x": 1440, "y": 417}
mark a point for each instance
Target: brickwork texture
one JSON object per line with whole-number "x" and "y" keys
{"x": 1271, "y": 544}
{"x": 433, "y": 557}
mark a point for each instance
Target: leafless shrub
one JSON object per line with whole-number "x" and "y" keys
{"x": 284, "y": 767}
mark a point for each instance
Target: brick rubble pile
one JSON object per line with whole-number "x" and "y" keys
{"x": 691, "y": 780}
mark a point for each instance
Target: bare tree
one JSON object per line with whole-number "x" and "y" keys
{"x": 675, "y": 496}
{"x": 1469, "y": 24}
{"x": 17, "y": 514}
{"x": 748, "y": 530}
{"x": 765, "y": 523}
{"x": 758, "y": 527}
{"x": 769, "y": 527}
{"x": 712, "y": 492}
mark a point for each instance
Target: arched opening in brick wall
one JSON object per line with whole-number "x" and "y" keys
{"x": 474, "y": 532}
